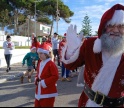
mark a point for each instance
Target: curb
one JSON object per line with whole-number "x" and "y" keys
{"x": 12, "y": 77}
{"x": 18, "y": 75}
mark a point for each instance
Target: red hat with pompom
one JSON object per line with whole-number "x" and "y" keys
{"x": 45, "y": 48}
{"x": 114, "y": 15}
{"x": 32, "y": 47}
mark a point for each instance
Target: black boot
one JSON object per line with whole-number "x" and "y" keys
{"x": 7, "y": 70}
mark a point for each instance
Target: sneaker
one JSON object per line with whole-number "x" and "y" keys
{"x": 63, "y": 79}
{"x": 80, "y": 85}
{"x": 68, "y": 79}
{"x": 21, "y": 79}
{"x": 7, "y": 70}
{"x": 29, "y": 80}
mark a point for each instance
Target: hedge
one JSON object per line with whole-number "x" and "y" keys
{"x": 20, "y": 47}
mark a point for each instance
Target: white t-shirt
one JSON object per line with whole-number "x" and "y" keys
{"x": 6, "y": 49}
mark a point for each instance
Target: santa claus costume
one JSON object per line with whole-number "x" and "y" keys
{"x": 104, "y": 72}
{"x": 46, "y": 78}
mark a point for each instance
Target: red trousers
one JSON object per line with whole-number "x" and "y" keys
{"x": 47, "y": 102}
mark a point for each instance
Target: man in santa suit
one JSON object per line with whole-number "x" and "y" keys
{"x": 103, "y": 58}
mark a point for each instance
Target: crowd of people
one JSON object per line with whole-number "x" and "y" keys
{"x": 98, "y": 59}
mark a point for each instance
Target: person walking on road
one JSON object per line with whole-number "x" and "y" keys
{"x": 36, "y": 44}
{"x": 46, "y": 78}
{"x": 8, "y": 47}
{"x": 65, "y": 72}
{"x": 55, "y": 46}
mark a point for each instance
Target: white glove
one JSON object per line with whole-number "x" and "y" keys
{"x": 73, "y": 42}
{"x": 81, "y": 36}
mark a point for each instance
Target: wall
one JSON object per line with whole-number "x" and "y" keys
{"x": 18, "y": 40}
{"x": 17, "y": 56}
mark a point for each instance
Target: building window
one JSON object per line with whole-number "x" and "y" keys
{"x": 48, "y": 30}
{"x": 43, "y": 28}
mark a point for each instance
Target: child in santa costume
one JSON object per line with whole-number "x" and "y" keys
{"x": 103, "y": 57}
{"x": 29, "y": 58}
{"x": 46, "y": 78}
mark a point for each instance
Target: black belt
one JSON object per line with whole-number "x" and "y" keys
{"x": 101, "y": 99}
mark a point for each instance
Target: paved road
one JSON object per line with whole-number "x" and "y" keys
{"x": 14, "y": 94}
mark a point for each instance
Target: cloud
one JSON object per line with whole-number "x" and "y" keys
{"x": 94, "y": 10}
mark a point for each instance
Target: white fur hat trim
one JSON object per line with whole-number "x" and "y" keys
{"x": 43, "y": 51}
{"x": 97, "y": 46}
{"x": 33, "y": 48}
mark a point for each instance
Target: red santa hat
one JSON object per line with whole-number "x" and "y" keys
{"x": 114, "y": 15}
{"x": 32, "y": 47}
{"x": 64, "y": 34}
{"x": 45, "y": 48}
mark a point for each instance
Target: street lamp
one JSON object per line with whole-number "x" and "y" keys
{"x": 35, "y": 14}
{"x": 57, "y": 17}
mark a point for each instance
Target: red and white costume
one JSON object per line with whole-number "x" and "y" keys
{"x": 103, "y": 73}
{"x": 47, "y": 73}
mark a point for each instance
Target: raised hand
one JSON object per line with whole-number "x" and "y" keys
{"x": 72, "y": 39}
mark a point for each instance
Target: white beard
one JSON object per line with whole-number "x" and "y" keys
{"x": 112, "y": 45}
{"x": 103, "y": 81}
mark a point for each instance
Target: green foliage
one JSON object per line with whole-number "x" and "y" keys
{"x": 20, "y": 47}
{"x": 86, "y": 28}
{"x": 45, "y": 20}
{"x": 46, "y": 12}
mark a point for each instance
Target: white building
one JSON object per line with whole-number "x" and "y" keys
{"x": 29, "y": 27}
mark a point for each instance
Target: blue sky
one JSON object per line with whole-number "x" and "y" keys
{"x": 93, "y": 8}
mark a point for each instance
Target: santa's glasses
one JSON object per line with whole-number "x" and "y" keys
{"x": 119, "y": 27}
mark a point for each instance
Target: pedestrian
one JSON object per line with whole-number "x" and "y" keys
{"x": 29, "y": 58}
{"x": 65, "y": 72}
{"x": 55, "y": 46}
{"x": 49, "y": 40}
{"x": 103, "y": 58}
{"x": 46, "y": 78}
{"x": 8, "y": 47}
{"x": 44, "y": 39}
{"x": 36, "y": 44}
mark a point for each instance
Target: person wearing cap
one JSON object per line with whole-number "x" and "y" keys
{"x": 46, "y": 78}
{"x": 29, "y": 58}
{"x": 103, "y": 57}
{"x": 8, "y": 47}
{"x": 65, "y": 72}
{"x": 55, "y": 46}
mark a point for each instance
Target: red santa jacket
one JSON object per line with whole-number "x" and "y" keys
{"x": 93, "y": 63}
{"x": 61, "y": 44}
{"x": 48, "y": 74}
{"x": 36, "y": 44}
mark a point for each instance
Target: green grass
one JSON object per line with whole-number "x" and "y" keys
{"x": 20, "y": 47}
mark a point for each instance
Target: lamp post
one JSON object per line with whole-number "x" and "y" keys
{"x": 35, "y": 17}
{"x": 35, "y": 14}
{"x": 57, "y": 17}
